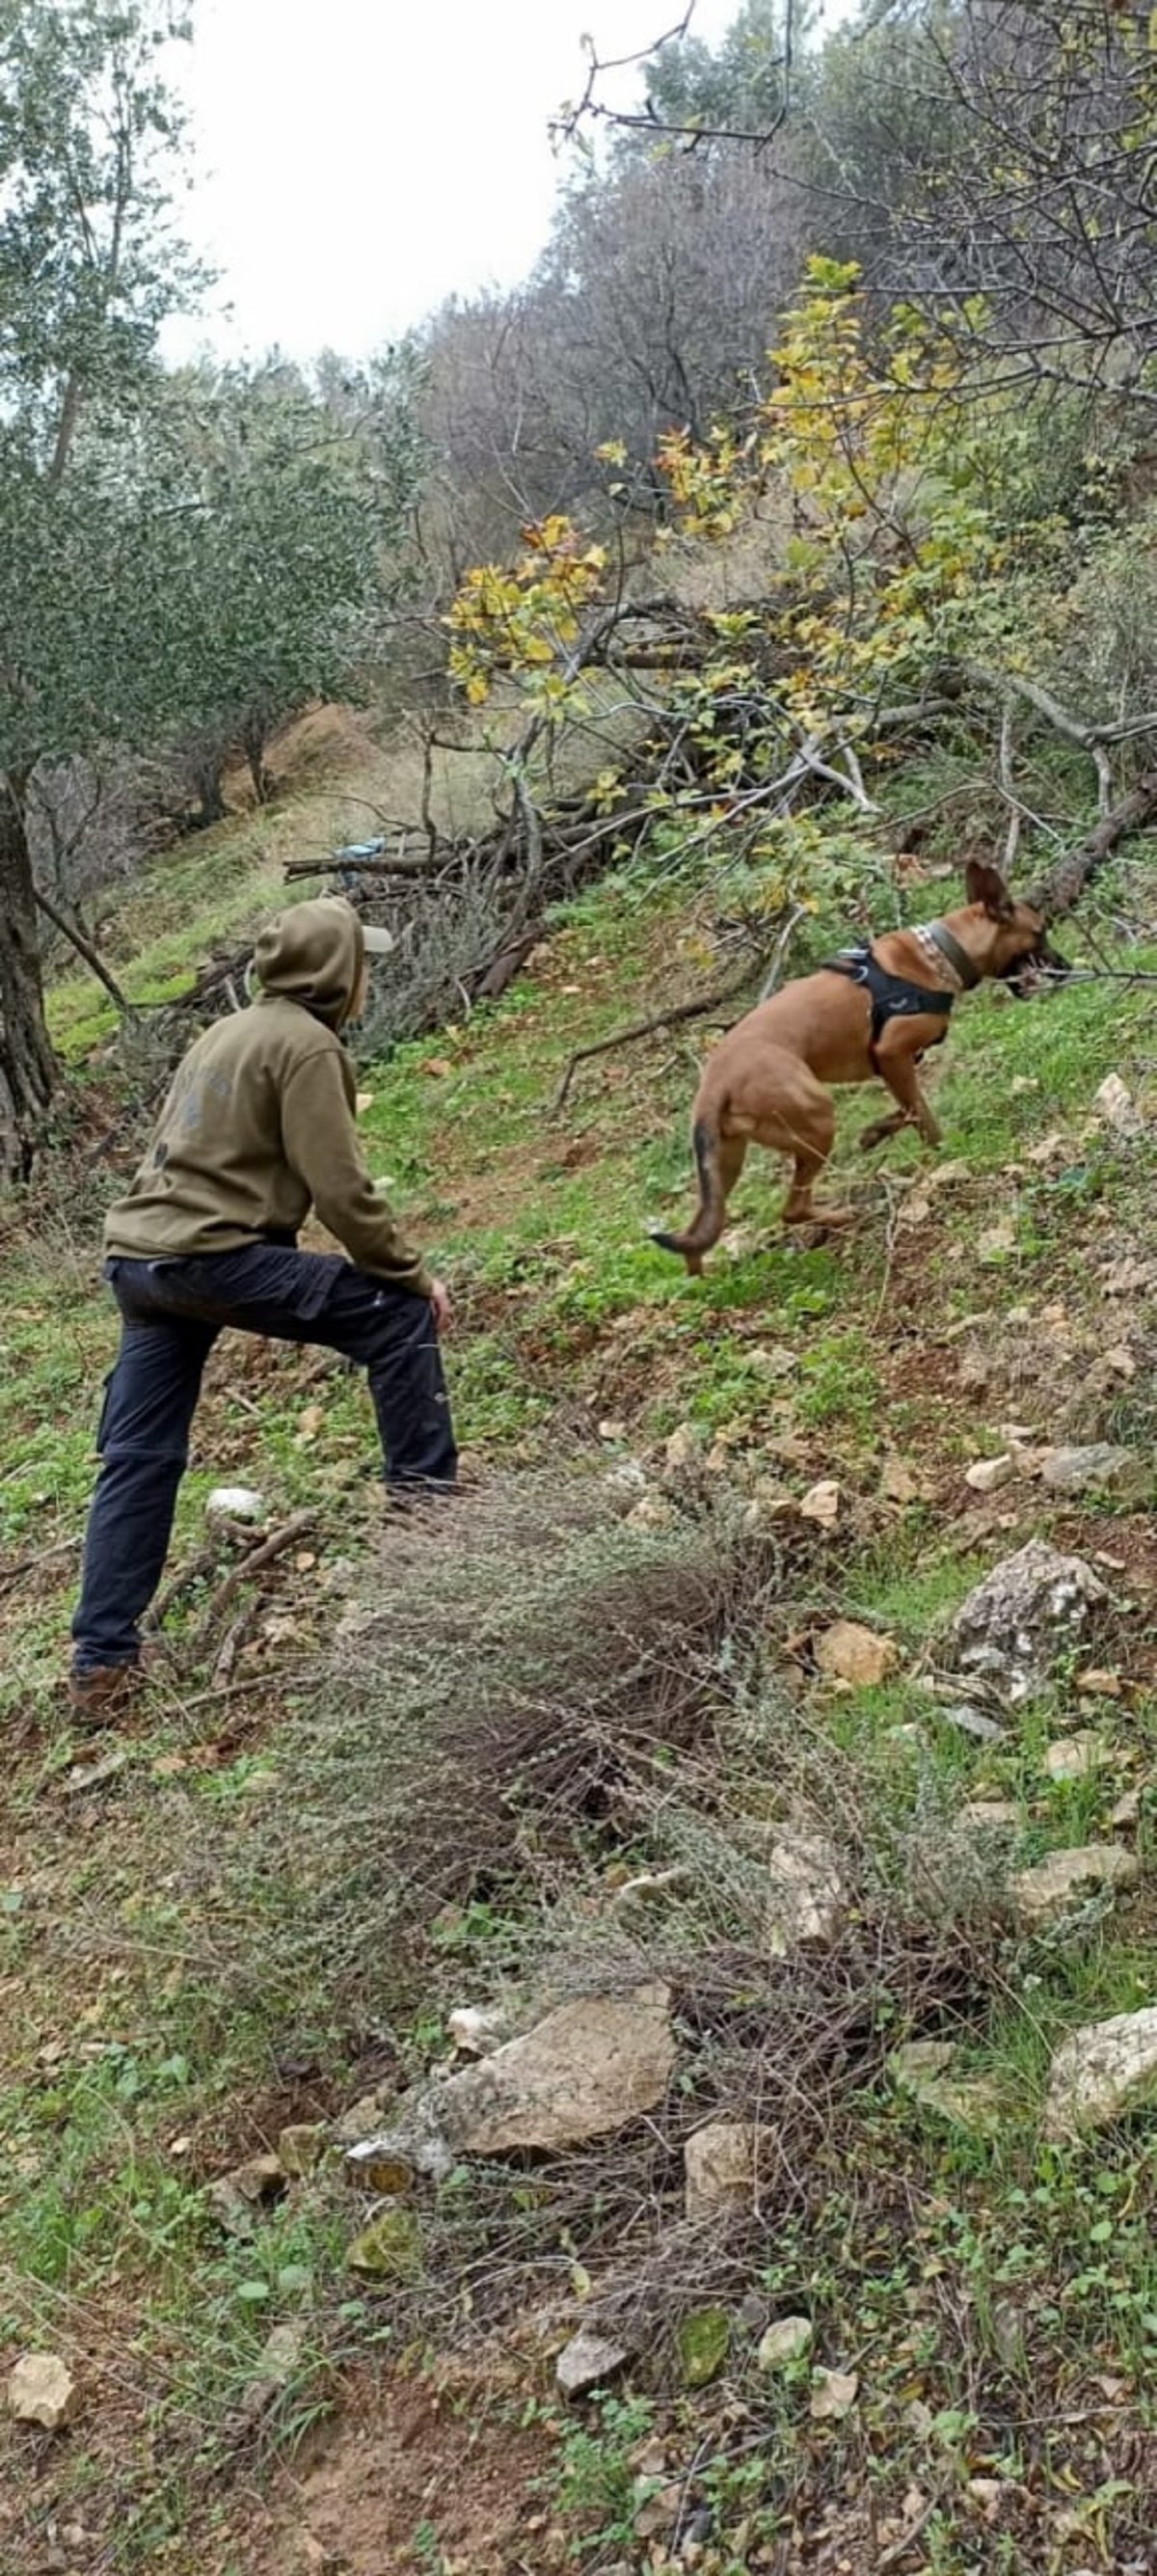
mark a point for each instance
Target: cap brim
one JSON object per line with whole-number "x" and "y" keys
{"x": 378, "y": 942}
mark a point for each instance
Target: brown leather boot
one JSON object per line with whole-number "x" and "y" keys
{"x": 98, "y": 1698}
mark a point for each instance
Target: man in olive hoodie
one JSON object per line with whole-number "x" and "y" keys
{"x": 257, "y": 1128}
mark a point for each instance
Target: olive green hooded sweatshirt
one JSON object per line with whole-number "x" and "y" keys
{"x": 259, "y": 1123}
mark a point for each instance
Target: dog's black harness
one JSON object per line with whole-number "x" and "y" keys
{"x": 890, "y": 997}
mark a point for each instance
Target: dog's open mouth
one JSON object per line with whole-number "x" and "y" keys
{"x": 1040, "y": 972}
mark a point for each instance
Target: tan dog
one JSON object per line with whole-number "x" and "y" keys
{"x": 874, "y": 1010}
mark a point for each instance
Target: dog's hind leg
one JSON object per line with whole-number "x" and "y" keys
{"x": 814, "y": 1134}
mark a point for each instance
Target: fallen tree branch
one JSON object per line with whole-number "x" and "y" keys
{"x": 1088, "y": 738}
{"x": 253, "y": 1562}
{"x": 1058, "y": 892}
{"x": 679, "y": 1012}
{"x": 84, "y": 949}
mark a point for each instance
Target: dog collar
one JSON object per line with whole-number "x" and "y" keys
{"x": 934, "y": 935}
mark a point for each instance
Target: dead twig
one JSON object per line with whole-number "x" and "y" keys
{"x": 32, "y": 1564}
{"x": 681, "y": 1011}
{"x": 253, "y": 1563}
{"x": 668, "y": 1019}
{"x": 223, "y": 1667}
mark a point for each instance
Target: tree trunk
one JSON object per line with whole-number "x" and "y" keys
{"x": 27, "y": 1063}
{"x": 211, "y": 808}
{"x": 254, "y": 736}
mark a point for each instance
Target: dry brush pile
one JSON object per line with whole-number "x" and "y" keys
{"x": 558, "y": 1758}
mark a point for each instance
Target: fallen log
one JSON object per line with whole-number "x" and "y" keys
{"x": 1060, "y": 891}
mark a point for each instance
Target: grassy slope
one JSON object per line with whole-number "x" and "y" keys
{"x": 121, "y": 2087}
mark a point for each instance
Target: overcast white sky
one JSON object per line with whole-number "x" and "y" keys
{"x": 359, "y": 160}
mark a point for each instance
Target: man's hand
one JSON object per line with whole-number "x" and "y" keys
{"x": 440, "y": 1301}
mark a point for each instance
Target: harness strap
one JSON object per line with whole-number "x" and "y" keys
{"x": 890, "y": 996}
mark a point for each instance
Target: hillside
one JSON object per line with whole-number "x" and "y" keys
{"x": 380, "y": 1780}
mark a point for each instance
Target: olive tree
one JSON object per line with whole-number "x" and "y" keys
{"x": 89, "y": 265}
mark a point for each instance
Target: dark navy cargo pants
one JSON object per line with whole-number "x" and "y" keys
{"x": 171, "y": 1315}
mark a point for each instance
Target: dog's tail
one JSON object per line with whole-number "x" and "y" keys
{"x": 710, "y": 1216}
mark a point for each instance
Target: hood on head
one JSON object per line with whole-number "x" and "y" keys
{"x": 314, "y": 955}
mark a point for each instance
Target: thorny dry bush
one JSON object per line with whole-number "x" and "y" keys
{"x": 543, "y": 1702}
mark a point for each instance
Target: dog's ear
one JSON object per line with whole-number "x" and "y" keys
{"x": 985, "y": 885}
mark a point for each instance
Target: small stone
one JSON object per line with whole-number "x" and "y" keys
{"x": 924, "y": 2069}
{"x": 1043, "y": 1894}
{"x": 1127, "y": 1811}
{"x": 776, "y": 1361}
{"x": 807, "y": 1901}
{"x": 42, "y": 2390}
{"x": 987, "y": 1475}
{"x": 1114, "y": 1102}
{"x": 1051, "y": 1149}
{"x": 234, "y": 1503}
{"x": 719, "y": 2167}
{"x": 1029, "y": 1611}
{"x": 585, "y": 2071}
{"x": 1103, "y": 2072}
{"x": 997, "y": 1241}
{"x": 301, "y": 2146}
{"x": 899, "y": 1483}
{"x": 1099, "y": 1685}
{"x": 769, "y": 1503}
{"x": 588, "y": 2361}
{"x": 95, "y": 1775}
{"x": 991, "y": 1816}
{"x": 260, "y": 2179}
{"x": 477, "y": 2028}
{"x": 822, "y": 1504}
{"x": 972, "y": 1721}
{"x": 373, "y": 2167}
{"x": 786, "y": 2341}
{"x": 389, "y": 2249}
{"x": 625, "y": 1484}
{"x": 364, "y": 2115}
{"x": 656, "y": 2511}
{"x": 704, "y": 2341}
{"x": 274, "y": 2368}
{"x": 282, "y": 2350}
{"x": 1096, "y": 1467}
{"x": 683, "y": 1446}
{"x": 988, "y": 2493}
{"x": 834, "y": 2393}
{"x": 235, "y": 2197}
{"x": 650, "y": 1513}
{"x": 848, "y": 1653}
{"x": 1073, "y": 1757}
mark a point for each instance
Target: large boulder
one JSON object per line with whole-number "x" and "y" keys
{"x": 1031, "y": 1610}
